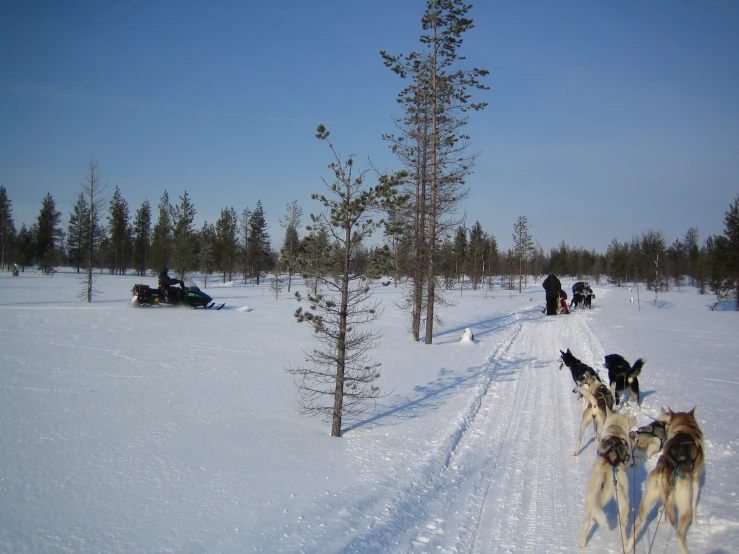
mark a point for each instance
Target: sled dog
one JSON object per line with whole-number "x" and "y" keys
{"x": 609, "y": 478}
{"x": 675, "y": 480}
{"x": 649, "y": 439}
{"x": 599, "y": 402}
{"x": 622, "y": 376}
{"x": 577, "y": 368}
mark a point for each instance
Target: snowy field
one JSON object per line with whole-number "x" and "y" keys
{"x": 174, "y": 430}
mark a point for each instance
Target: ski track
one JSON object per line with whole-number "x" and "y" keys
{"x": 522, "y": 421}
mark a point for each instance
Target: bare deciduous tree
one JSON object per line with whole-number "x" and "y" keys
{"x": 93, "y": 190}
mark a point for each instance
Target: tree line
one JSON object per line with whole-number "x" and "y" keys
{"x": 238, "y": 246}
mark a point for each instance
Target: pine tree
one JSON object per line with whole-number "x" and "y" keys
{"x": 207, "y": 249}
{"x": 7, "y": 228}
{"x": 244, "y": 243}
{"x": 119, "y": 228}
{"x": 291, "y": 245}
{"x": 184, "y": 239}
{"x": 435, "y": 105}
{"x": 476, "y": 254}
{"x": 227, "y": 242}
{"x": 692, "y": 252}
{"x": 724, "y": 255}
{"x": 77, "y": 234}
{"x": 315, "y": 258}
{"x": 48, "y": 234}
{"x": 340, "y": 372}
{"x": 142, "y": 238}
{"x": 258, "y": 245}
{"x": 460, "y": 253}
{"x": 26, "y": 246}
{"x": 522, "y": 246}
{"x": 161, "y": 242}
{"x": 618, "y": 258}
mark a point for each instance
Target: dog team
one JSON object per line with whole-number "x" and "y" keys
{"x": 674, "y": 482}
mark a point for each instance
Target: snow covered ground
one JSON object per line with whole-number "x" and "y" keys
{"x": 175, "y": 430}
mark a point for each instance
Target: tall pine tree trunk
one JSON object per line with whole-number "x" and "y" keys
{"x": 341, "y": 340}
{"x": 433, "y": 208}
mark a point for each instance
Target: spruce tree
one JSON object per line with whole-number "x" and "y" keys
{"x": 258, "y": 246}
{"x": 142, "y": 238}
{"x": 161, "y": 241}
{"x": 48, "y": 234}
{"x": 26, "y": 246}
{"x": 522, "y": 246}
{"x": 724, "y": 257}
{"x": 7, "y": 228}
{"x": 227, "y": 243}
{"x": 476, "y": 254}
{"x": 460, "y": 253}
{"x": 119, "y": 232}
{"x": 79, "y": 219}
{"x": 291, "y": 244}
{"x": 207, "y": 251}
{"x": 184, "y": 256}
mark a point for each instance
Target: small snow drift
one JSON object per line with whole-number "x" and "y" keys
{"x": 467, "y": 336}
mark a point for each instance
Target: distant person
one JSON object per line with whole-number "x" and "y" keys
{"x": 552, "y": 286}
{"x": 15, "y": 270}
{"x": 581, "y": 294}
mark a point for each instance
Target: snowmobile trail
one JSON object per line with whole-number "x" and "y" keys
{"x": 522, "y": 422}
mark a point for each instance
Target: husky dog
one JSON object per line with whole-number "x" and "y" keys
{"x": 577, "y": 368}
{"x": 675, "y": 480}
{"x": 622, "y": 376}
{"x": 649, "y": 439}
{"x": 609, "y": 477}
{"x": 599, "y": 401}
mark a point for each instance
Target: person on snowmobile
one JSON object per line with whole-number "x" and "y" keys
{"x": 165, "y": 281}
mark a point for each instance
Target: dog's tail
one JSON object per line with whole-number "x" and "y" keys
{"x": 587, "y": 394}
{"x": 636, "y": 368}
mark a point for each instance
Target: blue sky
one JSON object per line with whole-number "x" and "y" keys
{"x": 605, "y": 119}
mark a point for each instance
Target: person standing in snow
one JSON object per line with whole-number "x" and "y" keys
{"x": 552, "y": 287}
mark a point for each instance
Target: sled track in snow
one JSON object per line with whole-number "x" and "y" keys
{"x": 521, "y": 422}
{"x": 418, "y": 516}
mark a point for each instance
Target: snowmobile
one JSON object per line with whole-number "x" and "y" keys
{"x": 183, "y": 295}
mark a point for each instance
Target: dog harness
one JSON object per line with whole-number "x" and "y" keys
{"x": 614, "y": 450}
{"x": 683, "y": 452}
{"x": 657, "y": 429}
{"x": 604, "y": 398}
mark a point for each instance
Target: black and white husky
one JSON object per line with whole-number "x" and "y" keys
{"x": 623, "y": 376}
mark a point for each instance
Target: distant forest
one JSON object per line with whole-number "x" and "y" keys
{"x": 237, "y": 246}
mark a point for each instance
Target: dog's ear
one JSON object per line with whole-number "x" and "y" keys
{"x": 691, "y": 413}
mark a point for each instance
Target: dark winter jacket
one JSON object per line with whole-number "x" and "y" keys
{"x": 552, "y": 285}
{"x": 165, "y": 279}
{"x": 581, "y": 288}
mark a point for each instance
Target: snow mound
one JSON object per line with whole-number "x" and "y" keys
{"x": 467, "y": 336}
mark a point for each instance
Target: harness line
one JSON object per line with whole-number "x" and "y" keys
{"x": 618, "y": 508}
{"x": 633, "y": 506}
{"x": 662, "y": 511}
